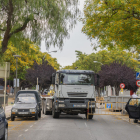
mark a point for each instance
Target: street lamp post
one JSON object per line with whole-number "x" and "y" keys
{"x": 16, "y": 56}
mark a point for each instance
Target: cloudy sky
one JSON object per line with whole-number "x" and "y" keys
{"x": 77, "y": 41}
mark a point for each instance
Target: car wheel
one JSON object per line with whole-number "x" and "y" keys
{"x": 55, "y": 114}
{"x": 39, "y": 115}
{"x": 36, "y": 116}
{"x": 12, "y": 118}
{"x": 5, "y": 137}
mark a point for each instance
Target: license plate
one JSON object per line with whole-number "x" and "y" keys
{"x": 22, "y": 112}
{"x": 61, "y": 105}
{"x": 79, "y": 105}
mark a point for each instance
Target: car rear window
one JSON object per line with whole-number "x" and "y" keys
{"x": 135, "y": 102}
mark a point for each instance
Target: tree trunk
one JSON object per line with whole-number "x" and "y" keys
{"x": 117, "y": 89}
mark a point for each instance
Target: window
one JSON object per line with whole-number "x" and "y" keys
{"x": 76, "y": 79}
{"x": 25, "y": 98}
{"x": 134, "y": 102}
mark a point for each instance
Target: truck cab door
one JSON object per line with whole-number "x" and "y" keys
{"x": 133, "y": 108}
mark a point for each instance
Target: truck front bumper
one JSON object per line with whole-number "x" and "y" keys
{"x": 74, "y": 103}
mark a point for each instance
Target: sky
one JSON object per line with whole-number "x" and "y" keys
{"x": 77, "y": 41}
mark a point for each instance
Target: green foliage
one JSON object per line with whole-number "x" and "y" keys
{"x": 36, "y": 20}
{"x": 94, "y": 61}
{"x": 113, "y": 22}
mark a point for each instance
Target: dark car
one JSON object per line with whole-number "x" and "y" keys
{"x": 27, "y": 104}
{"x": 133, "y": 109}
{"x": 3, "y": 125}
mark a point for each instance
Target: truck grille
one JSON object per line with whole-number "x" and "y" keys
{"x": 72, "y": 94}
{"x": 23, "y": 110}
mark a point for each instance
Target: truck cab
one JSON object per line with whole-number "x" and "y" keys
{"x": 73, "y": 90}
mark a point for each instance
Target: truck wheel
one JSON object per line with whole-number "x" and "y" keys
{"x": 36, "y": 116}
{"x": 12, "y": 118}
{"x": 89, "y": 117}
{"x": 54, "y": 114}
{"x": 39, "y": 115}
{"x": 47, "y": 112}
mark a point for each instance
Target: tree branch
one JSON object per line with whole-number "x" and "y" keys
{"x": 20, "y": 28}
{"x": 2, "y": 29}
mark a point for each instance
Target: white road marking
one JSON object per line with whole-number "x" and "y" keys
{"x": 26, "y": 130}
{"x": 85, "y": 124}
{"x": 20, "y": 135}
{"x": 31, "y": 126}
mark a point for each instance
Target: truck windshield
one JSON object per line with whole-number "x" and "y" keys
{"x": 76, "y": 79}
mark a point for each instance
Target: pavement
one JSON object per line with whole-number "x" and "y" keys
{"x": 8, "y": 108}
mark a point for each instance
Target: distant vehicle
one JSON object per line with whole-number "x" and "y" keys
{"x": 3, "y": 125}
{"x": 133, "y": 109}
{"x": 27, "y": 104}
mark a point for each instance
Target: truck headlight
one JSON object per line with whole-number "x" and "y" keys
{"x": 14, "y": 110}
{"x": 32, "y": 110}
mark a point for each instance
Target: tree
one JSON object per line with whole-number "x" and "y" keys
{"x": 43, "y": 72}
{"x": 36, "y": 20}
{"x": 113, "y": 22}
{"x": 28, "y": 56}
{"x": 115, "y": 74}
{"x": 86, "y": 62}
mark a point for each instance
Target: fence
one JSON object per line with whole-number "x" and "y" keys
{"x": 2, "y": 99}
{"x": 105, "y": 108}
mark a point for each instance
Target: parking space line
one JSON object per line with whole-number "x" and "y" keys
{"x": 31, "y": 126}
{"x": 26, "y": 130}
{"x": 85, "y": 124}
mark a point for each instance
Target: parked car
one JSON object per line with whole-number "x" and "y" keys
{"x": 27, "y": 104}
{"x": 3, "y": 125}
{"x": 133, "y": 109}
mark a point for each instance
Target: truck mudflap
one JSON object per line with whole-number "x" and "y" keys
{"x": 133, "y": 108}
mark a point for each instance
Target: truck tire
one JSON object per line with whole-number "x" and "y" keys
{"x": 12, "y": 118}
{"x": 89, "y": 117}
{"x": 36, "y": 116}
{"x": 39, "y": 115}
{"x": 47, "y": 112}
{"x": 55, "y": 114}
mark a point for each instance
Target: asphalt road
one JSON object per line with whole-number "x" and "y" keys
{"x": 74, "y": 127}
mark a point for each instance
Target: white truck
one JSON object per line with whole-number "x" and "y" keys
{"x": 73, "y": 90}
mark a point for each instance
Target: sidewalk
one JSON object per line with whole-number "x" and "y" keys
{"x": 8, "y": 108}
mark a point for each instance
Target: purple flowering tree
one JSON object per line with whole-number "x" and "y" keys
{"x": 115, "y": 74}
{"x": 43, "y": 71}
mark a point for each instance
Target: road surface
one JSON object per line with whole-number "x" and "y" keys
{"x": 69, "y": 127}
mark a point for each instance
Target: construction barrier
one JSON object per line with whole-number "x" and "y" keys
{"x": 105, "y": 108}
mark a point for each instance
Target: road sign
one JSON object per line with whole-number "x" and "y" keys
{"x": 138, "y": 83}
{"x": 121, "y": 90}
{"x": 15, "y": 82}
{"x": 122, "y": 85}
{"x": 137, "y": 75}
{"x": 108, "y": 105}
